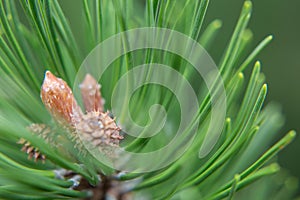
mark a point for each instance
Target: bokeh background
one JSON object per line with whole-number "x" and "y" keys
{"x": 280, "y": 60}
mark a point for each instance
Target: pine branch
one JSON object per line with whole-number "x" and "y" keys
{"x": 62, "y": 131}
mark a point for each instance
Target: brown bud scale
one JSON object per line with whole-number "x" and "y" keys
{"x": 58, "y": 98}
{"x": 91, "y": 95}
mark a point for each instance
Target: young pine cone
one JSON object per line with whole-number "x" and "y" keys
{"x": 94, "y": 126}
{"x": 31, "y": 151}
{"x": 41, "y": 130}
{"x": 98, "y": 129}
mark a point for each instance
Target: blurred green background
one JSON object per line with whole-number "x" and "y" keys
{"x": 279, "y": 60}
